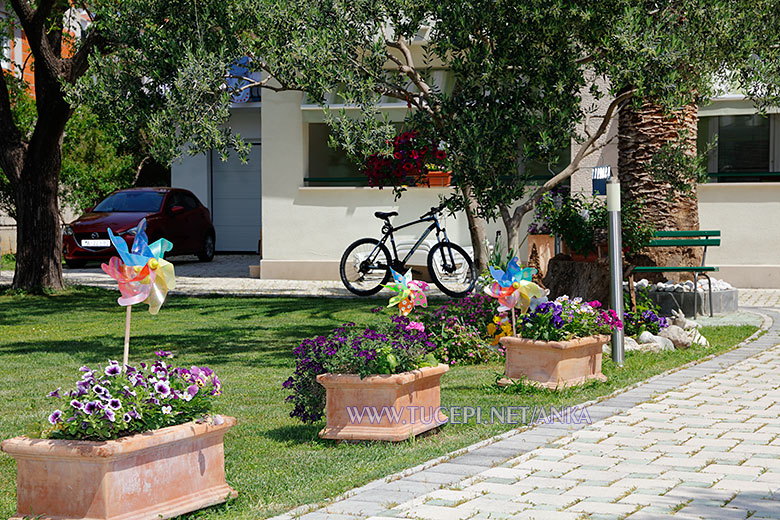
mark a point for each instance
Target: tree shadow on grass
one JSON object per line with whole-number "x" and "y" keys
{"x": 300, "y": 433}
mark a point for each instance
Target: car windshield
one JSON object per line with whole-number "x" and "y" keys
{"x": 132, "y": 201}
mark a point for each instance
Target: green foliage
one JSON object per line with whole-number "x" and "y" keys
{"x": 646, "y": 317}
{"x": 463, "y": 344}
{"x": 582, "y": 222}
{"x": 93, "y": 164}
{"x": 675, "y": 164}
{"x": 498, "y": 258}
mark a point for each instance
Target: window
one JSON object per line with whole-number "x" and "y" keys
{"x": 744, "y": 147}
{"x": 743, "y": 143}
{"x": 131, "y": 201}
{"x": 329, "y": 167}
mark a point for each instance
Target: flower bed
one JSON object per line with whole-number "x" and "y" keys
{"x": 109, "y": 403}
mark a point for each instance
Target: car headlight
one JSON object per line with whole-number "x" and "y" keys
{"x": 67, "y": 230}
{"x": 132, "y": 231}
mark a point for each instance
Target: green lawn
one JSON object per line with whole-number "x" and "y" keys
{"x": 275, "y": 462}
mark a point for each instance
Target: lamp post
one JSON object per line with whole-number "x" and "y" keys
{"x": 615, "y": 265}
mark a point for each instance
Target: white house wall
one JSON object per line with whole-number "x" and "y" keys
{"x": 746, "y": 214}
{"x": 306, "y": 229}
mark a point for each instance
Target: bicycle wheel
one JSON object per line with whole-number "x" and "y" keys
{"x": 451, "y": 269}
{"x": 364, "y": 267}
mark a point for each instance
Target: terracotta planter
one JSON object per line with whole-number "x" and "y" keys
{"x": 545, "y": 250}
{"x": 160, "y": 474}
{"x": 382, "y": 407}
{"x": 439, "y": 179}
{"x": 601, "y": 252}
{"x": 554, "y": 364}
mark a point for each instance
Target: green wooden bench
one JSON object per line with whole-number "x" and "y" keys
{"x": 704, "y": 238}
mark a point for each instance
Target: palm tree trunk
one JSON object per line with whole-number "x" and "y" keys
{"x": 642, "y": 132}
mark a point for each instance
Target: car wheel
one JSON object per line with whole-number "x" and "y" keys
{"x": 75, "y": 264}
{"x": 207, "y": 252}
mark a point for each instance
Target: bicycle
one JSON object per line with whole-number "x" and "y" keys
{"x": 365, "y": 265}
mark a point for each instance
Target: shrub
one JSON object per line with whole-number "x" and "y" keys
{"x": 476, "y": 310}
{"x": 390, "y": 348}
{"x": 463, "y": 344}
{"x": 582, "y": 222}
{"x": 109, "y": 403}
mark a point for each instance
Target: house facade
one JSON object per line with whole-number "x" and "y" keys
{"x": 297, "y": 204}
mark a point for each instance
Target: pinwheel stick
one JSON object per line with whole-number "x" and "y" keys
{"x": 127, "y": 337}
{"x": 514, "y": 332}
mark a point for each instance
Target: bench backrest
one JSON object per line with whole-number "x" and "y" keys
{"x": 685, "y": 238}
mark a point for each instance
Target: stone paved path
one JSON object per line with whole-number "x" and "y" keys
{"x": 225, "y": 275}
{"x": 229, "y": 274}
{"x": 759, "y": 297}
{"x": 701, "y": 442}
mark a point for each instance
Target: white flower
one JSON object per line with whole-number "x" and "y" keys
{"x": 166, "y": 409}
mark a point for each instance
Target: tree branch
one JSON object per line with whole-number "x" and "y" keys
{"x": 33, "y": 23}
{"x": 79, "y": 62}
{"x": 408, "y": 68}
{"x": 588, "y": 147}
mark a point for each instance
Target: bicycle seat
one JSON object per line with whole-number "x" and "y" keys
{"x": 385, "y": 215}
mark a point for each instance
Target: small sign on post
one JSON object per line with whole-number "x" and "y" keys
{"x": 615, "y": 265}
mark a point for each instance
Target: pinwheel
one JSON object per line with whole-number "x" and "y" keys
{"x": 142, "y": 274}
{"x": 513, "y": 287}
{"x": 410, "y": 292}
{"x": 143, "y": 254}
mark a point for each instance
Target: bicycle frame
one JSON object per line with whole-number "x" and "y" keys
{"x": 388, "y": 230}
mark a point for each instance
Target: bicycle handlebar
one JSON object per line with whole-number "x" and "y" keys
{"x": 435, "y": 210}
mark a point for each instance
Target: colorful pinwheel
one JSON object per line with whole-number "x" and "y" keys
{"x": 142, "y": 274}
{"x": 143, "y": 255}
{"x": 133, "y": 285}
{"x": 513, "y": 287}
{"x": 410, "y": 292}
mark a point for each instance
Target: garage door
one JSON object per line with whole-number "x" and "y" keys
{"x": 235, "y": 201}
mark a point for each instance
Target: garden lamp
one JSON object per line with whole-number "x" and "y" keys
{"x": 615, "y": 266}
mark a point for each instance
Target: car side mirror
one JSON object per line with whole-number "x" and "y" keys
{"x": 175, "y": 210}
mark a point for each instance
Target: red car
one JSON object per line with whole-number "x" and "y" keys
{"x": 170, "y": 213}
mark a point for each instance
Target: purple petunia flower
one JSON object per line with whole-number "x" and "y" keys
{"x": 91, "y": 407}
{"x": 109, "y": 414}
{"x": 114, "y": 404}
{"x": 113, "y": 370}
{"x": 162, "y": 388}
{"x": 127, "y": 417}
{"x": 55, "y": 417}
{"x": 55, "y": 393}
{"x": 76, "y": 404}
{"x": 100, "y": 390}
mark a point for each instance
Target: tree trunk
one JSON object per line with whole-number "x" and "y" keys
{"x": 641, "y": 134}
{"x": 39, "y": 230}
{"x": 476, "y": 232}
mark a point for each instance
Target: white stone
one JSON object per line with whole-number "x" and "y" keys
{"x": 679, "y": 319}
{"x": 677, "y": 335}
{"x": 646, "y": 337}
{"x": 697, "y": 338}
{"x": 666, "y": 343}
